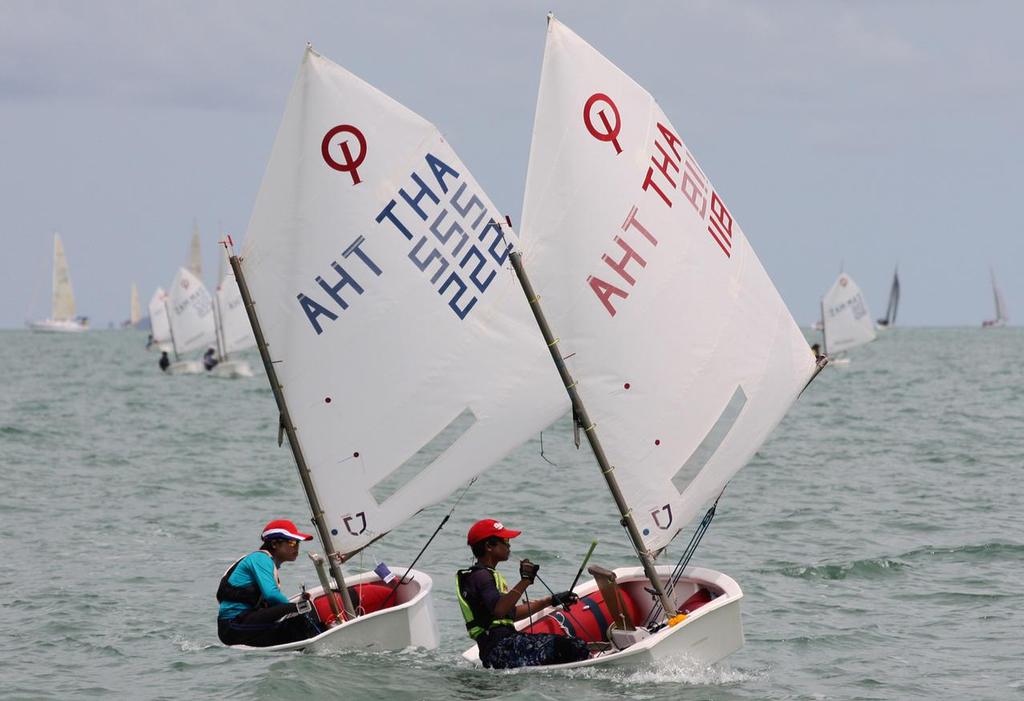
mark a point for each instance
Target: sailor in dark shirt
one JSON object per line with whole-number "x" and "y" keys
{"x": 490, "y": 607}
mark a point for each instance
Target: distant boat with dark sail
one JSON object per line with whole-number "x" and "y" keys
{"x": 894, "y": 302}
{"x": 1001, "y": 316}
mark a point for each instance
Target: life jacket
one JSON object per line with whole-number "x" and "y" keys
{"x": 249, "y": 595}
{"x": 477, "y": 623}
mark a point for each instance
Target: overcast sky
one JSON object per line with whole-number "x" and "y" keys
{"x": 861, "y": 134}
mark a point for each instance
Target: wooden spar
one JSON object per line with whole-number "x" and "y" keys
{"x": 218, "y": 328}
{"x": 293, "y": 442}
{"x": 588, "y": 426}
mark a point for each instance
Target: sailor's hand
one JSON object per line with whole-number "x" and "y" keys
{"x": 564, "y": 598}
{"x": 528, "y": 570}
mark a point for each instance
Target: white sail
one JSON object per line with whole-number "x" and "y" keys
{"x": 234, "y": 329}
{"x": 685, "y": 354}
{"x": 408, "y": 356}
{"x": 847, "y": 319}
{"x": 63, "y": 308}
{"x": 160, "y": 327}
{"x": 195, "y": 253}
{"x": 135, "y": 312}
{"x": 190, "y": 310}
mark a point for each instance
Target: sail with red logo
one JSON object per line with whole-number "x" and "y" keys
{"x": 678, "y": 352}
{"x": 392, "y": 329}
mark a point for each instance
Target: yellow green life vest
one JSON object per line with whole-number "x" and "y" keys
{"x": 478, "y": 625}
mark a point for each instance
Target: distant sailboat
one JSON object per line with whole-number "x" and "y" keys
{"x": 1001, "y": 317}
{"x": 847, "y": 321}
{"x": 135, "y": 309}
{"x": 232, "y": 327}
{"x": 190, "y": 321}
{"x": 195, "y": 254}
{"x": 160, "y": 328}
{"x": 62, "y": 310}
{"x": 894, "y": 302}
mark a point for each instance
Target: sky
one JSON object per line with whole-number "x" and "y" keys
{"x": 843, "y": 135}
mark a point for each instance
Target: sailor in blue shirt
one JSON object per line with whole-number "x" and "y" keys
{"x": 253, "y": 610}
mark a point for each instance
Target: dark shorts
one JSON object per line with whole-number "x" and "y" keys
{"x": 266, "y": 627}
{"x": 532, "y": 649}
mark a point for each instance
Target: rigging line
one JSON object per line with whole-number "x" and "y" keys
{"x": 545, "y": 457}
{"x": 565, "y": 609}
{"x": 430, "y": 540}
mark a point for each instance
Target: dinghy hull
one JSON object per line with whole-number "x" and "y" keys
{"x": 411, "y": 623}
{"x": 231, "y": 369}
{"x": 58, "y": 326}
{"x": 185, "y": 367}
{"x": 707, "y": 635}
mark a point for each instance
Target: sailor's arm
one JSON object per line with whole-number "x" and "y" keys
{"x": 263, "y": 568}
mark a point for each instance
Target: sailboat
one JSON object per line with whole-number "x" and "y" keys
{"x": 678, "y": 353}
{"x": 401, "y": 355}
{"x": 847, "y": 321}
{"x": 134, "y": 309}
{"x": 195, "y": 254}
{"x": 894, "y": 302}
{"x": 1001, "y": 317}
{"x": 160, "y": 328}
{"x": 62, "y": 310}
{"x": 233, "y": 333}
{"x": 189, "y": 320}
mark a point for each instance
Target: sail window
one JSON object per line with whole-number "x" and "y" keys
{"x": 709, "y": 446}
{"x": 424, "y": 457}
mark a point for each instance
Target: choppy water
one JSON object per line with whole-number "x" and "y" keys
{"x": 878, "y": 535}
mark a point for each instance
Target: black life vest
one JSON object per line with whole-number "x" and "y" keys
{"x": 249, "y": 595}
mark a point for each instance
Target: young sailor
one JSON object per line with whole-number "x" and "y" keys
{"x": 165, "y": 362}
{"x": 210, "y": 359}
{"x": 490, "y": 608}
{"x": 253, "y": 611}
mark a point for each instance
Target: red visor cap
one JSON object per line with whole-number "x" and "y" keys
{"x": 284, "y": 529}
{"x": 487, "y": 528}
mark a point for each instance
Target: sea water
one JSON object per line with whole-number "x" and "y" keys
{"x": 878, "y": 535}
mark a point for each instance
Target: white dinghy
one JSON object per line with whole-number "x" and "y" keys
{"x": 399, "y": 349}
{"x": 160, "y": 328}
{"x": 1001, "y": 316}
{"x": 680, "y": 355}
{"x": 233, "y": 331}
{"x": 190, "y": 321}
{"x": 847, "y": 320}
{"x": 62, "y": 309}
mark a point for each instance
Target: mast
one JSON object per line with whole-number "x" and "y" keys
{"x": 293, "y": 443}
{"x": 218, "y": 328}
{"x": 824, "y": 338}
{"x": 170, "y": 327}
{"x": 607, "y": 469}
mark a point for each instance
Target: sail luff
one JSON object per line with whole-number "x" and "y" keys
{"x": 606, "y": 468}
{"x": 293, "y": 442}
{"x": 63, "y": 306}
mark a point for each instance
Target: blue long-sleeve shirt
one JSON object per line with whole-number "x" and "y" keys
{"x": 258, "y": 569}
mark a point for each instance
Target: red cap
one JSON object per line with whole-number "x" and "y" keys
{"x": 487, "y": 528}
{"x": 283, "y": 528}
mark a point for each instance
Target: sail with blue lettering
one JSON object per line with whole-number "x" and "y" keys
{"x": 847, "y": 321}
{"x": 685, "y": 354}
{"x": 190, "y": 313}
{"x": 409, "y": 358}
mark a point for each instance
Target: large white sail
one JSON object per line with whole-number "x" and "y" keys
{"x": 135, "y": 312}
{"x": 685, "y": 354}
{"x": 235, "y": 331}
{"x": 160, "y": 327}
{"x": 195, "y": 253}
{"x": 848, "y": 322}
{"x": 63, "y": 307}
{"x": 407, "y": 353}
{"x": 190, "y": 310}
